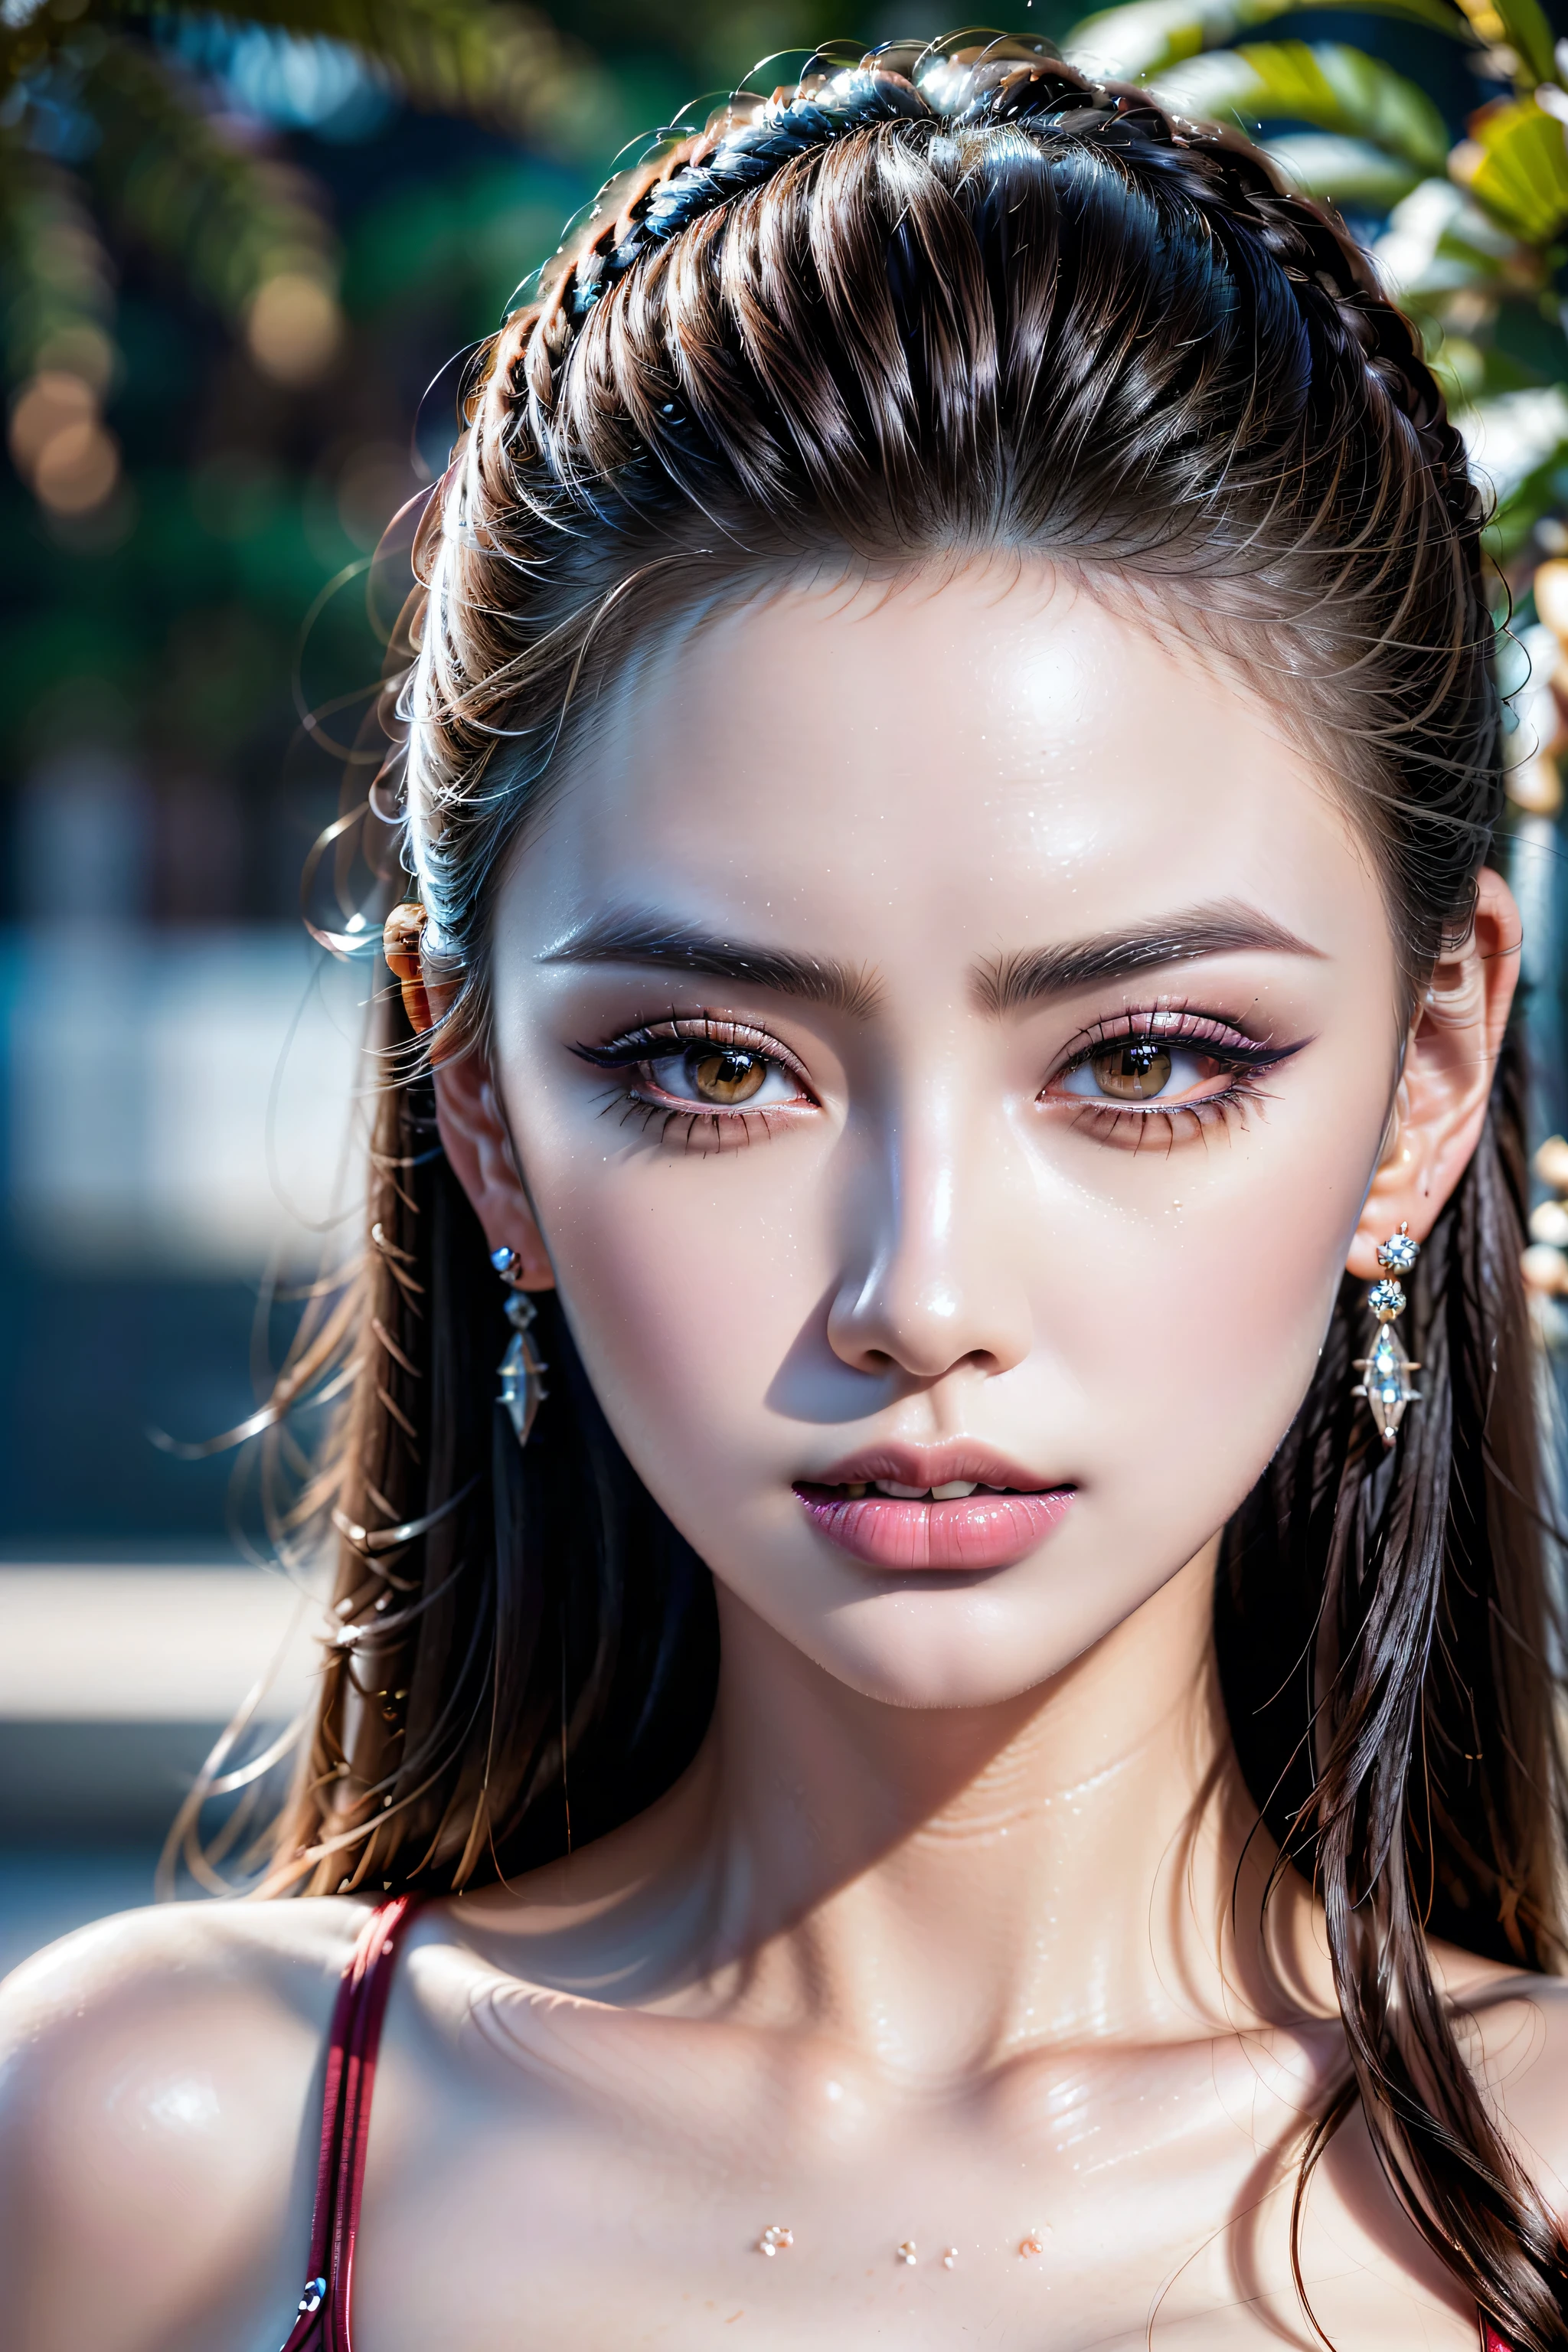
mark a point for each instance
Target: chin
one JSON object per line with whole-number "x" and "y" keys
{"x": 944, "y": 1646}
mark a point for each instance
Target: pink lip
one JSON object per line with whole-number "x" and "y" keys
{"x": 973, "y": 1532}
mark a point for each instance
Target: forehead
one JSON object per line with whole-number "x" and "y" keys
{"x": 990, "y": 757}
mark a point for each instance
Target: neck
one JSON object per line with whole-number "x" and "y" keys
{"x": 945, "y": 1886}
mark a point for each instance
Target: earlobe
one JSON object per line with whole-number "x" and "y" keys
{"x": 1444, "y": 1086}
{"x": 479, "y": 1147}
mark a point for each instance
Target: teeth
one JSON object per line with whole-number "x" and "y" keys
{"x": 955, "y": 1488}
{"x": 953, "y": 1491}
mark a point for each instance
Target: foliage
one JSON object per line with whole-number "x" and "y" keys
{"x": 117, "y": 130}
{"x": 114, "y": 133}
{"x": 204, "y": 314}
{"x": 1468, "y": 234}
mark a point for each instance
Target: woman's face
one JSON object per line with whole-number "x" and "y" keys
{"x": 948, "y": 1035}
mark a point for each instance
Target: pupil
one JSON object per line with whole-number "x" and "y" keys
{"x": 727, "y": 1075}
{"x": 1134, "y": 1071}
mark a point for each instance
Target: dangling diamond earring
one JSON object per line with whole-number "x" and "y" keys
{"x": 522, "y": 1368}
{"x": 1386, "y": 1383}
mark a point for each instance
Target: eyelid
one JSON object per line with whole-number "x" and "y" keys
{"x": 1172, "y": 1024}
{"x": 642, "y": 1043}
{"x": 1241, "y": 1056}
{"x": 1243, "y": 1062}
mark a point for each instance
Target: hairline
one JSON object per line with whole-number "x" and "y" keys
{"x": 1189, "y": 629}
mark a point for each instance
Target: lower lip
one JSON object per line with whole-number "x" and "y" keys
{"x": 969, "y": 1532}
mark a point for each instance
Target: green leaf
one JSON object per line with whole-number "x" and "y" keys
{"x": 1149, "y": 35}
{"x": 1345, "y": 171}
{"x": 1517, "y": 443}
{"x": 497, "y": 61}
{"x": 1438, "y": 243}
{"x": 1326, "y": 84}
{"x": 1516, "y": 164}
{"x": 1529, "y": 33}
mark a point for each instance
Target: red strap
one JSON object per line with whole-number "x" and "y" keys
{"x": 324, "y": 2322}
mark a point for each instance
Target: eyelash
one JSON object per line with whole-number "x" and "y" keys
{"x": 708, "y": 1127}
{"x": 705, "y": 1127}
{"x": 1246, "y": 1060}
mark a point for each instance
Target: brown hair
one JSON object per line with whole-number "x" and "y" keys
{"x": 922, "y": 304}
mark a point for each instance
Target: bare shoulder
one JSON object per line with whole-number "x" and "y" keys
{"x": 158, "y": 2075}
{"x": 1514, "y": 2028}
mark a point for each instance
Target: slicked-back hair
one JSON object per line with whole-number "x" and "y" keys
{"x": 923, "y": 308}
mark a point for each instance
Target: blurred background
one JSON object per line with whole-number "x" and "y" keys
{"x": 241, "y": 256}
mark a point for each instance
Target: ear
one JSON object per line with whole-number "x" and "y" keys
{"x": 479, "y": 1147}
{"x": 473, "y": 1132}
{"x": 1446, "y": 1084}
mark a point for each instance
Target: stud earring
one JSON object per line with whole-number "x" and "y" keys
{"x": 1385, "y": 1382}
{"x": 522, "y": 1368}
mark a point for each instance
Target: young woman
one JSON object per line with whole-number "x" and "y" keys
{"x": 968, "y": 1754}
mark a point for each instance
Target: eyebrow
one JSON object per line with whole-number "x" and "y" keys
{"x": 629, "y": 936}
{"x": 1012, "y": 981}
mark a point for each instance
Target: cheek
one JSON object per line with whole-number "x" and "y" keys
{"x": 687, "y": 1285}
{"x": 1196, "y": 1328}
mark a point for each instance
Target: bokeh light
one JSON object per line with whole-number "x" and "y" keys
{"x": 61, "y": 445}
{"x": 294, "y": 327}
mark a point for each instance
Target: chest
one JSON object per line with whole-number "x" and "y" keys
{"x": 575, "y": 2191}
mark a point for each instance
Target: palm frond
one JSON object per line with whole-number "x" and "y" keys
{"x": 1519, "y": 445}
{"x": 1350, "y": 173}
{"x": 227, "y": 219}
{"x": 1325, "y": 84}
{"x": 1523, "y": 26}
{"x": 1437, "y": 243}
{"x": 1149, "y": 36}
{"x": 498, "y": 62}
{"x": 1515, "y": 162}
{"x": 56, "y": 280}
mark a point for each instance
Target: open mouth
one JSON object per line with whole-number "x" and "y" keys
{"x": 956, "y": 1490}
{"x": 955, "y": 1523}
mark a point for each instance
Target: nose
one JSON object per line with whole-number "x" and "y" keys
{"x": 930, "y": 1281}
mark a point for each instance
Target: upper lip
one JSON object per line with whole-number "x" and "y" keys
{"x": 930, "y": 1466}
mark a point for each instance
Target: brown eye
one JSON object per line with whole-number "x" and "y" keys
{"x": 726, "y": 1074}
{"x": 1134, "y": 1071}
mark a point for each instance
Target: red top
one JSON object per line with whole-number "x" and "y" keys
{"x": 324, "y": 2322}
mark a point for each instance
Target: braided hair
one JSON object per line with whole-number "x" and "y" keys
{"x": 930, "y": 302}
